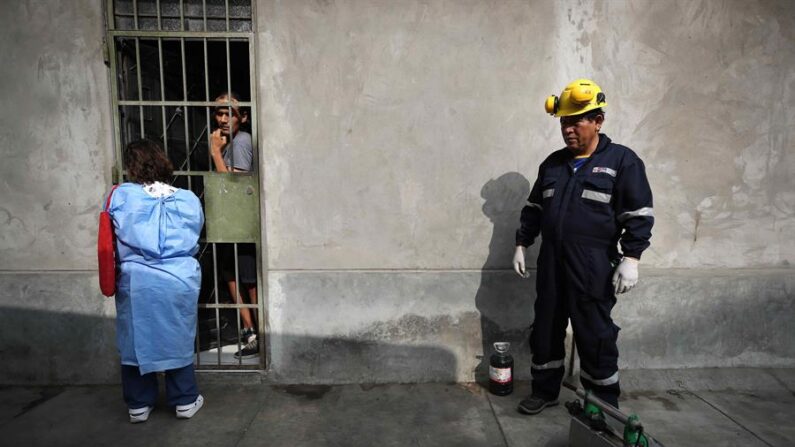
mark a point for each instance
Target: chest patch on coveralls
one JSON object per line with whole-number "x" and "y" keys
{"x": 608, "y": 171}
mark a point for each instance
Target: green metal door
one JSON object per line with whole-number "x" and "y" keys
{"x": 232, "y": 208}
{"x": 169, "y": 60}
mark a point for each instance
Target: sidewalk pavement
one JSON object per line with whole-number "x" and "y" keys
{"x": 691, "y": 407}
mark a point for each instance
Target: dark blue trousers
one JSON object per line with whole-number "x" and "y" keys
{"x": 141, "y": 390}
{"x": 574, "y": 282}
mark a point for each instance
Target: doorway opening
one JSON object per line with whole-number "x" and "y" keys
{"x": 173, "y": 65}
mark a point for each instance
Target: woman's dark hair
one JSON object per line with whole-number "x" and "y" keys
{"x": 147, "y": 163}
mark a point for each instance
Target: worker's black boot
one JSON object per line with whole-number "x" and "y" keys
{"x": 534, "y": 404}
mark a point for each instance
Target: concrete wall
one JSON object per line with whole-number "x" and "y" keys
{"x": 398, "y": 142}
{"x": 57, "y": 138}
{"x": 56, "y": 147}
{"x": 384, "y": 121}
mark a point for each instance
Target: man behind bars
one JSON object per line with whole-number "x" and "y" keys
{"x": 232, "y": 151}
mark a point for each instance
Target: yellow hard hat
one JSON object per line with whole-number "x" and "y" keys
{"x": 580, "y": 96}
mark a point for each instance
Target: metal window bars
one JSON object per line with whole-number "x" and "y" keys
{"x": 169, "y": 60}
{"x": 184, "y": 15}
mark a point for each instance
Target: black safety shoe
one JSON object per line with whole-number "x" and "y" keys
{"x": 534, "y": 404}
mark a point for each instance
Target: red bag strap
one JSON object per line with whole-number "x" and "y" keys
{"x": 110, "y": 194}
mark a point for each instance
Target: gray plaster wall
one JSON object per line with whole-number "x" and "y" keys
{"x": 56, "y": 147}
{"x": 398, "y": 141}
{"x": 384, "y": 121}
{"x": 414, "y": 326}
{"x": 57, "y": 139}
{"x": 57, "y": 329}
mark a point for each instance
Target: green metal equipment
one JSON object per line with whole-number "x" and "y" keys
{"x": 590, "y": 428}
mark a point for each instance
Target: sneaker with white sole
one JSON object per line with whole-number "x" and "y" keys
{"x": 248, "y": 351}
{"x": 187, "y": 411}
{"x": 140, "y": 414}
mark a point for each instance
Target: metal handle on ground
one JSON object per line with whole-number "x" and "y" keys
{"x": 604, "y": 406}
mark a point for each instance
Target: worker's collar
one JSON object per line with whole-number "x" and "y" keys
{"x": 604, "y": 140}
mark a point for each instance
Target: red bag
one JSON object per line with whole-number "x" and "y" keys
{"x": 106, "y": 250}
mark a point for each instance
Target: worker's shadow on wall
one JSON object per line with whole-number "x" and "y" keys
{"x": 505, "y": 300}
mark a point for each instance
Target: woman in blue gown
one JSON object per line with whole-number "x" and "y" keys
{"x": 157, "y": 230}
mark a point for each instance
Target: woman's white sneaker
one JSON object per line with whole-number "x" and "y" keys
{"x": 140, "y": 414}
{"x": 187, "y": 411}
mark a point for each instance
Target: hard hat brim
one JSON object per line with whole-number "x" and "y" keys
{"x": 572, "y": 111}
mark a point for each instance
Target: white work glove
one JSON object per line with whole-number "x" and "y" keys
{"x": 518, "y": 262}
{"x": 626, "y": 275}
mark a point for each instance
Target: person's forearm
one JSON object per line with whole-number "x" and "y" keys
{"x": 218, "y": 160}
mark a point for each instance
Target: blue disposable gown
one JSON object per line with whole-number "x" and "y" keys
{"x": 157, "y": 285}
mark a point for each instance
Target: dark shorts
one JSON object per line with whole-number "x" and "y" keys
{"x": 246, "y": 262}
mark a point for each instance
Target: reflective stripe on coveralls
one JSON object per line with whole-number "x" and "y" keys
{"x": 594, "y": 195}
{"x": 604, "y": 382}
{"x": 548, "y": 365}
{"x": 645, "y": 211}
{"x": 534, "y": 205}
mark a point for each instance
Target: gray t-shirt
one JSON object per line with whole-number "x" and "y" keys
{"x": 241, "y": 151}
